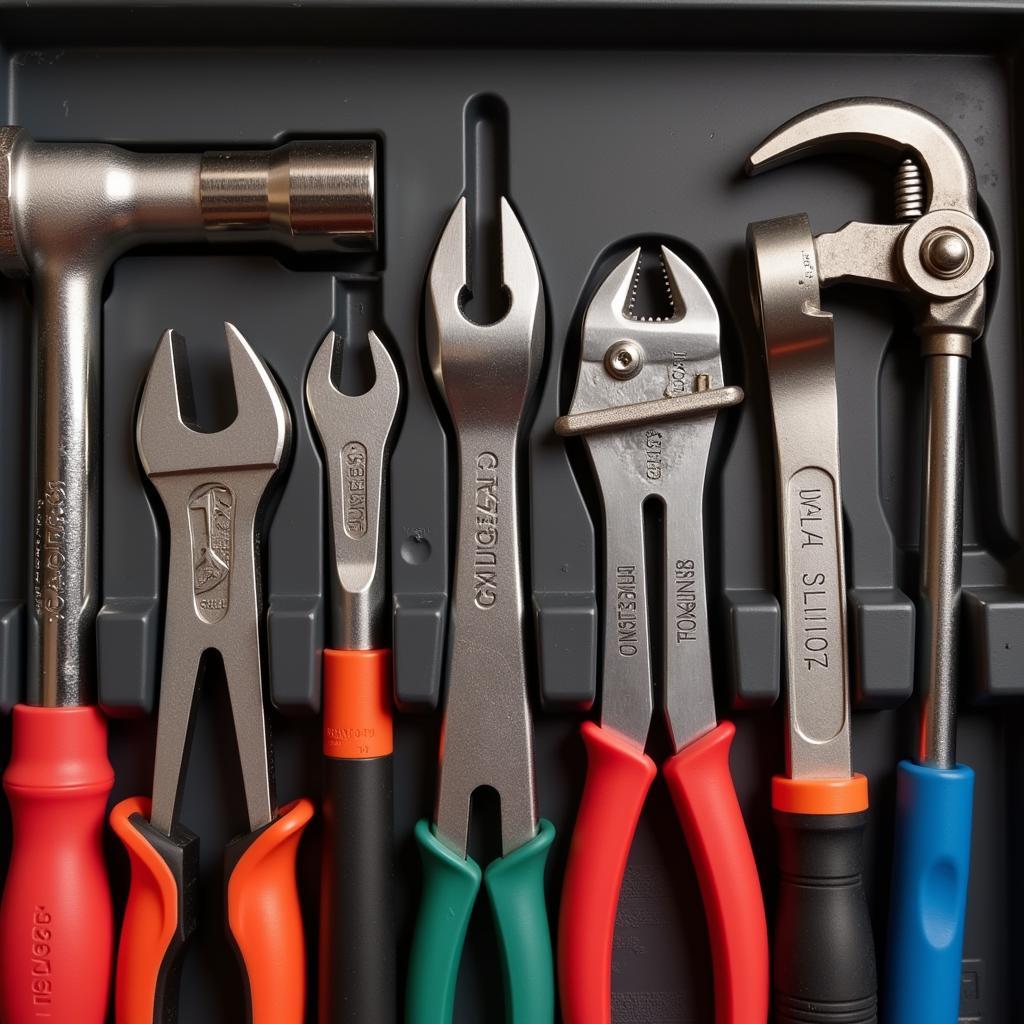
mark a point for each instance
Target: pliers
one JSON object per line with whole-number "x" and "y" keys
{"x": 212, "y": 487}
{"x": 486, "y": 374}
{"x": 637, "y": 378}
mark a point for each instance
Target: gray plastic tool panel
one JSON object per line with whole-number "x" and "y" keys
{"x": 608, "y": 129}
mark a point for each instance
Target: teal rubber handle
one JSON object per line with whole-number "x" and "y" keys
{"x": 450, "y": 886}
{"x": 515, "y": 884}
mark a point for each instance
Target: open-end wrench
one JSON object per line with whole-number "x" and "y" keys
{"x": 357, "y": 937}
{"x": 212, "y": 486}
{"x": 486, "y": 374}
{"x": 637, "y": 379}
{"x": 937, "y": 255}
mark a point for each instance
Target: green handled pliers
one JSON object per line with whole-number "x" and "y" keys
{"x": 486, "y": 374}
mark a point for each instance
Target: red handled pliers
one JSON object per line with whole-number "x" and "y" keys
{"x": 646, "y": 401}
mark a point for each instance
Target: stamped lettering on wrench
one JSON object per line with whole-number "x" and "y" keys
{"x": 353, "y": 486}
{"x": 50, "y": 555}
{"x": 211, "y": 515}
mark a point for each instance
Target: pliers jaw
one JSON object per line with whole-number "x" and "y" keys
{"x": 626, "y": 359}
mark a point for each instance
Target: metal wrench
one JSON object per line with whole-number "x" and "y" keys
{"x": 486, "y": 374}
{"x": 212, "y": 486}
{"x": 637, "y": 378}
{"x": 357, "y": 938}
{"x": 938, "y": 255}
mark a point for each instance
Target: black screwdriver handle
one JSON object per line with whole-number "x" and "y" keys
{"x": 824, "y": 969}
{"x": 357, "y": 932}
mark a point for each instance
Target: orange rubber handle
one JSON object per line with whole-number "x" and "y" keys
{"x": 265, "y": 919}
{"x": 56, "y": 920}
{"x": 158, "y": 917}
{"x": 619, "y": 776}
{"x": 702, "y": 790}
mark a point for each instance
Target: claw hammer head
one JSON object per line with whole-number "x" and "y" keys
{"x": 936, "y": 252}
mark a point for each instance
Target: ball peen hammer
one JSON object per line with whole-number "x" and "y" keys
{"x": 67, "y": 211}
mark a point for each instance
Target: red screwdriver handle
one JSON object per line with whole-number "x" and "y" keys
{"x": 619, "y": 775}
{"x": 56, "y": 922}
{"x": 702, "y": 790}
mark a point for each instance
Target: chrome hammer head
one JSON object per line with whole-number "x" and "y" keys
{"x": 936, "y": 251}
{"x": 485, "y": 372}
{"x": 354, "y": 432}
{"x": 212, "y": 487}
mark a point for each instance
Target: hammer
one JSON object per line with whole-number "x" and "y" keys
{"x": 67, "y": 211}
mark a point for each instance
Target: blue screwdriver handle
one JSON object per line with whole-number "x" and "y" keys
{"x": 931, "y": 862}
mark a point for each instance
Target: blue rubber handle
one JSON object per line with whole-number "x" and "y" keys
{"x": 931, "y": 862}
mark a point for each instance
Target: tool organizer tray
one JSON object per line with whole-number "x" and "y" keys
{"x": 608, "y": 125}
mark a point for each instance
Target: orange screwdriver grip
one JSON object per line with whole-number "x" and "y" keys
{"x": 265, "y": 919}
{"x": 56, "y": 919}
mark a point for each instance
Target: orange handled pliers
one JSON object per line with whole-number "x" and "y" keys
{"x": 212, "y": 487}
{"x": 637, "y": 381}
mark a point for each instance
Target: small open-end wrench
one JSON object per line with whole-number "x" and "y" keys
{"x": 212, "y": 487}
{"x": 357, "y": 936}
{"x": 486, "y": 374}
{"x": 637, "y": 379}
{"x": 937, "y": 255}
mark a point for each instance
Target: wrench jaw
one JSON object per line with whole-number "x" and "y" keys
{"x": 456, "y": 362}
{"x": 354, "y": 432}
{"x": 166, "y": 438}
{"x": 879, "y": 127}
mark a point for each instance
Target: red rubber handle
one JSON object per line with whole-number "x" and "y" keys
{"x": 702, "y": 790}
{"x": 618, "y": 778}
{"x": 56, "y": 922}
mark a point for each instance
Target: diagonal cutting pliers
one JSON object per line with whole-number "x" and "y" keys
{"x": 646, "y": 402}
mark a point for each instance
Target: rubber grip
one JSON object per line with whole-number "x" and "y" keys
{"x": 357, "y": 893}
{"x": 265, "y": 919}
{"x": 824, "y": 970}
{"x": 931, "y": 861}
{"x": 702, "y": 790}
{"x": 619, "y": 776}
{"x": 515, "y": 885}
{"x": 450, "y": 887}
{"x": 159, "y": 916}
{"x": 56, "y": 920}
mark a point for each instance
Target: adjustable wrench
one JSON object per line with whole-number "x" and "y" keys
{"x": 937, "y": 256}
{"x": 486, "y": 374}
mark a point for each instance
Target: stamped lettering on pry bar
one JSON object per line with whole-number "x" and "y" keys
{"x": 211, "y": 516}
{"x": 485, "y": 535}
{"x": 813, "y": 595}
